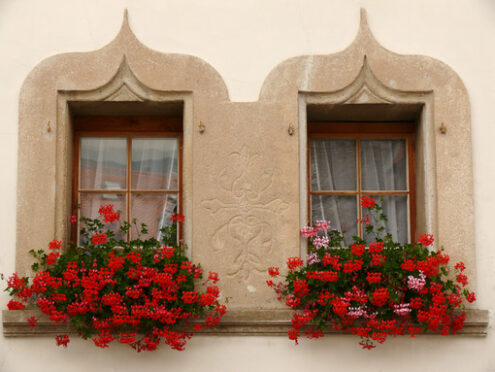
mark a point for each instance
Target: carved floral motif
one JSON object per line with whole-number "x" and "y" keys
{"x": 246, "y": 235}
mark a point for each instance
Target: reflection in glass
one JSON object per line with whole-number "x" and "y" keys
{"x": 90, "y": 204}
{"x": 341, "y": 211}
{"x": 103, "y": 163}
{"x": 333, "y": 165}
{"x": 154, "y": 210}
{"x": 395, "y": 208}
{"x": 383, "y": 164}
{"x": 155, "y": 164}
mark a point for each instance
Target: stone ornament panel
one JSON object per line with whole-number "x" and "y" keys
{"x": 242, "y": 177}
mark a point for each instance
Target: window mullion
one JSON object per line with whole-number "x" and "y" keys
{"x": 358, "y": 181}
{"x": 128, "y": 185}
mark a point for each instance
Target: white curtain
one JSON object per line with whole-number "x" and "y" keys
{"x": 333, "y": 168}
{"x": 383, "y": 165}
{"x": 383, "y": 168}
{"x": 154, "y": 167}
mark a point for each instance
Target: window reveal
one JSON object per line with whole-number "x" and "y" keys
{"x": 350, "y": 161}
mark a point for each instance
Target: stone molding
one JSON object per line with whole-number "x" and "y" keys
{"x": 235, "y": 323}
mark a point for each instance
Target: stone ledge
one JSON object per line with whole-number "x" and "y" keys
{"x": 237, "y": 322}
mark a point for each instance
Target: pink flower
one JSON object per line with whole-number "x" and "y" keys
{"x": 322, "y": 225}
{"x": 416, "y": 283}
{"x": 308, "y": 232}
{"x": 312, "y": 259}
{"x": 402, "y": 309}
{"x": 356, "y": 312}
{"x": 321, "y": 242}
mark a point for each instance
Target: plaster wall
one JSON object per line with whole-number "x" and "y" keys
{"x": 243, "y": 41}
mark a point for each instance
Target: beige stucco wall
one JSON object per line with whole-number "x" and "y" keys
{"x": 243, "y": 42}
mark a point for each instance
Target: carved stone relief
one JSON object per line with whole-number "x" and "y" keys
{"x": 246, "y": 236}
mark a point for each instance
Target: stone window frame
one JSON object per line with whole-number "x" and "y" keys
{"x": 127, "y": 73}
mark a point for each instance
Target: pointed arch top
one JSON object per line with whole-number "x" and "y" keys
{"x": 152, "y": 69}
{"x": 334, "y": 72}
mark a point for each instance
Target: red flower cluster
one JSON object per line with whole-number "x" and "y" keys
{"x": 15, "y": 305}
{"x": 144, "y": 295}
{"x": 367, "y": 201}
{"x": 357, "y": 249}
{"x": 100, "y": 238}
{"x": 426, "y": 239}
{"x": 62, "y": 340}
{"x": 108, "y": 213}
{"x": 374, "y": 278}
{"x": 55, "y": 244}
{"x": 294, "y": 262}
{"x": 177, "y": 217}
{"x": 385, "y": 289}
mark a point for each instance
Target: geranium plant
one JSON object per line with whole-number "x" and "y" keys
{"x": 141, "y": 292}
{"x": 371, "y": 289}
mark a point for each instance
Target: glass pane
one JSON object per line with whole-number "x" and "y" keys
{"x": 154, "y": 210}
{"x": 155, "y": 164}
{"x": 383, "y": 164}
{"x": 333, "y": 165}
{"x": 397, "y": 224}
{"x": 90, "y": 205}
{"x": 341, "y": 211}
{"x": 103, "y": 163}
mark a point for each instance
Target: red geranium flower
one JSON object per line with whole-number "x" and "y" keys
{"x": 367, "y": 201}
{"x": 52, "y": 258}
{"x": 376, "y": 247}
{"x": 32, "y": 321}
{"x": 55, "y": 244}
{"x": 100, "y": 238}
{"x": 426, "y": 239}
{"x": 471, "y": 297}
{"x": 62, "y": 340}
{"x": 15, "y": 305}
{"x": 177, "y": 217}
{"x": 294, "y": 262}
{"x": 357, "y": 249}
{"x": 213, "y": 277}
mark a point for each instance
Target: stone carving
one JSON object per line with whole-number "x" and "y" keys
{"x": 246, "y": 236}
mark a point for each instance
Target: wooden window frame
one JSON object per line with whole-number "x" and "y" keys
{"x": 128, "y": 127}
{"x": 367, "y": 130}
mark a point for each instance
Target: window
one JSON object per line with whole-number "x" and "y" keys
{"x": 350, "y": 160}
{"x": 133, "y": 163}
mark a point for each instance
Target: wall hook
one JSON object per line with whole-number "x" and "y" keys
{"x": 443, "y": 129}
{"x": 201, "y": 127}
{"x": 290, "y": 130}
{"x": 48, "y": 127}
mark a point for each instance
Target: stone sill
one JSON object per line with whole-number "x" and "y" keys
{"x": 237, "y": 322}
